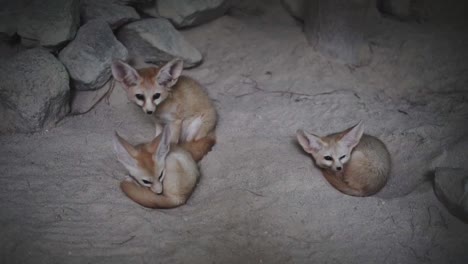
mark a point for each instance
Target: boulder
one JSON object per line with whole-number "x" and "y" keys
{"x": 295, "y": 7}
{"x": 451, "y": 188}
{"x": 114, "y": 14}
{"x": 9, "y": 13}
{"x": 34, "y": 92}
{"x": 453, "y": 155}
{"x": 186, "y": 13}
{"x": 149, "y": 9}
{"x": 338, "y": 29}
{"x": 156, "y": 41}
{"x": 398, "y": 8}
{"x": 133, "y": 2}
{"x": 49, "y": 23}
{"x": 89, "y": 56}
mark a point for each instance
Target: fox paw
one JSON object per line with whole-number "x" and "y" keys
{"x": 158, "y": 188}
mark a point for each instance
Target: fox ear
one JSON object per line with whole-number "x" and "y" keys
{"x": 125, "y": 152}
{"x": 309, "y": 142}
{"x": 154, "y": 144}
{"x": 125, "y": 73}
{"x": 164, "y": 145}
{"x": 352, "y": 136}
{"x": 170, "y": 73}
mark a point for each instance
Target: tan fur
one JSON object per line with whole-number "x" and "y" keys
{"x": 180, "y": 169}
{"x": 186, "y": 102}
{"x": 181, "y": 99}
{"x": 364, "y": 173}
{"x": 199, "y": 148}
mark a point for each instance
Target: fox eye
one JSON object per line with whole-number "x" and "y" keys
{"x": 342, "y": 157}
{"x": 140, "y": 97}
{"x": 328, "y": 158}
{"x": 156, "y": 96}
{"x": 146, "y": 182}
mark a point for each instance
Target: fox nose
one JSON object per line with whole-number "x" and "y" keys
{"x": 149, "y": 112}
{"x": 338, "y": 168}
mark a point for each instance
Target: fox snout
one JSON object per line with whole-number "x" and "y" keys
{"x": 149, "y": 107}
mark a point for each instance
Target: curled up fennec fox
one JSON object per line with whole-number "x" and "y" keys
{"x": 354, "y": 163}
{"x": 159, "y": 162}
{"x": 173, "y": 99}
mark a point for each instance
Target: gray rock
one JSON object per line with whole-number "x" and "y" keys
{"x": 454, "y": 155}
{"x": 150, "y": 9}
{"x": 157, "y": 41}
{"x": 114, "y": 14}
{"x": 83, "y": 101}
{"x": 9, "y": 13}
{"x": 398, "y": 8}
{"x": 295, "y": 7}
{"x": 133, "y": 2}
{"x": 49, "y": 23}
{"x": 338, "y": 29}
{"x": 451, "y": 187}
{"x": 34, "y": 92}
{"x": 89, "y": 56}
{"x": 185, "y": 13}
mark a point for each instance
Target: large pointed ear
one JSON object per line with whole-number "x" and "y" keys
{"x": 352, "y": 135}
{"x": 170, "y": 73}
{"x": 154, "y": 144}
{"x": 309, "y": 142}
{"x": 125, "y": 73}
{"x": 125, "y": 152}
{"x": 164, "y": 145}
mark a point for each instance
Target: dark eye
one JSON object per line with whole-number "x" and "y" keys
{"x": 146, "y": 182}
{"x": 140, "y": 97}
{"x": 156, "y": 96}
{"x": 342, "y": 157}
{"x": 328, "y": 158}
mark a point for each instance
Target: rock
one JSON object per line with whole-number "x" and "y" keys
{"x": 451, "y": 187}
{"x": 149, "y": 9}
{"x": 88, "y": 58}
{"x": 9, "y": 13}
{"x": 398, "y": 8}
{"x": 34, "y": 92}
{"x": 84, "y": 101}
{"x": 114, "y": 14}
{"x": 133, "y": 2}
{"x": 157, "y": 41}
{"x": 339, "y": 27}
{"x": 49, "y": 23}
{"x": 454, "y": 155}
{"x": 295, "y": 7}
{"x": 185, "y": 13}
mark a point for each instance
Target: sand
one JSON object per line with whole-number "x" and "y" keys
{"x": 260, "y": 198}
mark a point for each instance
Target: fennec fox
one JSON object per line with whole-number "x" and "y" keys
{"x": 173, "y": 99}
{"x": 354, "y": 163}
{"x": 159, "y": 162}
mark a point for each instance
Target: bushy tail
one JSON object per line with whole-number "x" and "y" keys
{"x": 342, "y": 186}
{"x": 199, "y": 148}
{"x": 147, "y": 198}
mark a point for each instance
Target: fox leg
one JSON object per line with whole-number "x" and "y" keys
{"x": 208, "y": 124}
{"x": 176, "y": 127}
{"x": 158, "y": 129}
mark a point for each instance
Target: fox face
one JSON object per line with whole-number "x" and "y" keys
{"x": 331, "y": 152}
{"x": 145, "y": 162}
{"x": 147, "y": 87}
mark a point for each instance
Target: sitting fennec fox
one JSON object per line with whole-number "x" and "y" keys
{"x": 354, "y": 163}
{"x": 174, "y": 99}
{"x": 150, "y": 163}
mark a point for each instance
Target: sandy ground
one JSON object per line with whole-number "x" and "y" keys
{"x": 260, "y": 199}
